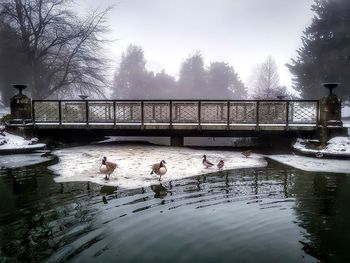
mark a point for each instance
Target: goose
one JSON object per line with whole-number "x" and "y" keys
{"x": 246, "y": 153}
{"x": 107, "y": 167}
{"x": 319, "y": 155}
{"x": 206, "y": 163}
{"x": 159, "y": 169}
{"x": 221, "y": 164}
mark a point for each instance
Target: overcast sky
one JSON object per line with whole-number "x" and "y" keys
{"x": 239, "y": 32}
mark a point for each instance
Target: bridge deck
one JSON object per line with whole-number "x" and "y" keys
{"x": 177, "y": 115}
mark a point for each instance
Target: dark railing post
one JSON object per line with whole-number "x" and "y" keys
{"x": 114, "y": 114}
{"x": 142, "y": 115}
{"x": 87, "y": 112}
{"x": 60, "y": 112}
{"x": 171, "y": 114}
{"x": 287, "y": 115}
{"x": 257, "y": 114}
{"x": 228, "y": 115}
{"x": 317, "y": 113}
{"x": 33, "y": 112}
{"x": 199, "y": 113}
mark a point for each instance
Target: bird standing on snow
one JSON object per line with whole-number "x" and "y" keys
{"x": 221, "y": 164}
{"x": 107, "y": 167}
{"x": 206, "y": 163}
{"x": 159, "y": 169}
{"x": 246, "y": 153}
{"x": 319, "y": 155}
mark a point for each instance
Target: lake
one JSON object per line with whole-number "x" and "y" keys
{"x": 271, "y": 214}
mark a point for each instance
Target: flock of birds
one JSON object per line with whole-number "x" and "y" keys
{"x": 107, "y": 168}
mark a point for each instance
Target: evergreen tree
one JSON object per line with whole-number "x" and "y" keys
{"x": 224, "y": 83}
{"x": 132, "y": 80}
{"x": 192, "y": 78}
{"x": 164, "y": 86}
{"x": 325, "y": 53}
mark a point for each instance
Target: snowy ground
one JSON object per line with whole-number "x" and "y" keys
{"x": 313, "y": 164}
{"x": 345, "y": 111}
{"x": 4, "y": 110}
{"x": 19, "y": 160}
{"x": 15, "y": 143}
{"x": 338, "y": 146}
{"x": 134, "y": 161}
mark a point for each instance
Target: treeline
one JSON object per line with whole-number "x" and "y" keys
{"x": 60, "y": 55}
{"x": 217, "y": 81}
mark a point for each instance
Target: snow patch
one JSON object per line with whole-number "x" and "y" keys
{"x": 20, "y": 160}
{"x": 13, "y": 142}
{"x": 345, "y": 111}
{"x": 135, "y": 161}
{"x": 313, "y": 164}
{"x": 338, "y": 146}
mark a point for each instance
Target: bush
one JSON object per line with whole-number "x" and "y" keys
{"x": 5, "y": 119}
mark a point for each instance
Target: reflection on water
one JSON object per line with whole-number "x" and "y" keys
{"x": 252, "y": 215}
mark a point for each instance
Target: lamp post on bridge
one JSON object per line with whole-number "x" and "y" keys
{"x": 83, "y": 97}
{"x": 330, "y": 107}
{"x": 330, "y": 114}
{"x": 21, "y": 106}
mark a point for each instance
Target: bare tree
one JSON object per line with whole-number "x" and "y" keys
{"x": 63, "y": 52}
{"x": 266, "y": 80}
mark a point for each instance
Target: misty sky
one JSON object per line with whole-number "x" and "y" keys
{"x": 240, "y": 32}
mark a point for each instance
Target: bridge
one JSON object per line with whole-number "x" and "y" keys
{"x": 177, "y": 118}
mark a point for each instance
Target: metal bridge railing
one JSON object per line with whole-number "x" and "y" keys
{"x": 176, "y": 112}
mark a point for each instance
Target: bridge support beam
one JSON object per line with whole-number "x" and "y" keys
{"x": 177, "y": 141}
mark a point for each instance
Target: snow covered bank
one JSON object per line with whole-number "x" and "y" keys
{"x": 338, "y": 146}
{"x": 21, "y": 160}
{"x": 134, "y": 161}
{"x": 13, "y": 143}
{"x": 313, "y": 164}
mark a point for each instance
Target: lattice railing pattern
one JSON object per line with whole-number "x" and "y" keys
{"x": 210, "y": 112}
{"x": 73, "y": 112}
{"x": 213, "y": 112}
{"x": 46, "y": 111}
{"x": 185, "y": 112}
{"x": 101, "y": 112}
{"x": 272, "y": 112}
{"x": 243, "y": 112}
{"x": 128, "y": 112}
{"x": 156, "y": 112}
{"x": 302, "y": 112}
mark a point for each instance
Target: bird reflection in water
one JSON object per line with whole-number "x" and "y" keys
{"x": 159, "y": 191}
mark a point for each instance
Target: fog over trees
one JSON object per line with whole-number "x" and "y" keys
{"x": 325, "y": 52}
{"x": 133, "y": 81}
{"x": 266, "y": 81}
{"x": 57, "y": 52}
{"x": 60, "y": 54}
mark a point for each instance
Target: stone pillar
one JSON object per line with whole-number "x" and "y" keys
{"x": 177, "y": 141}
{"x": 330, "y": 115}
{"x": 21, "y": 106}
{"x": 330, "y": 108}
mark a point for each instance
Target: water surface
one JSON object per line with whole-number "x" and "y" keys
{"x": 267, "y": 214}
